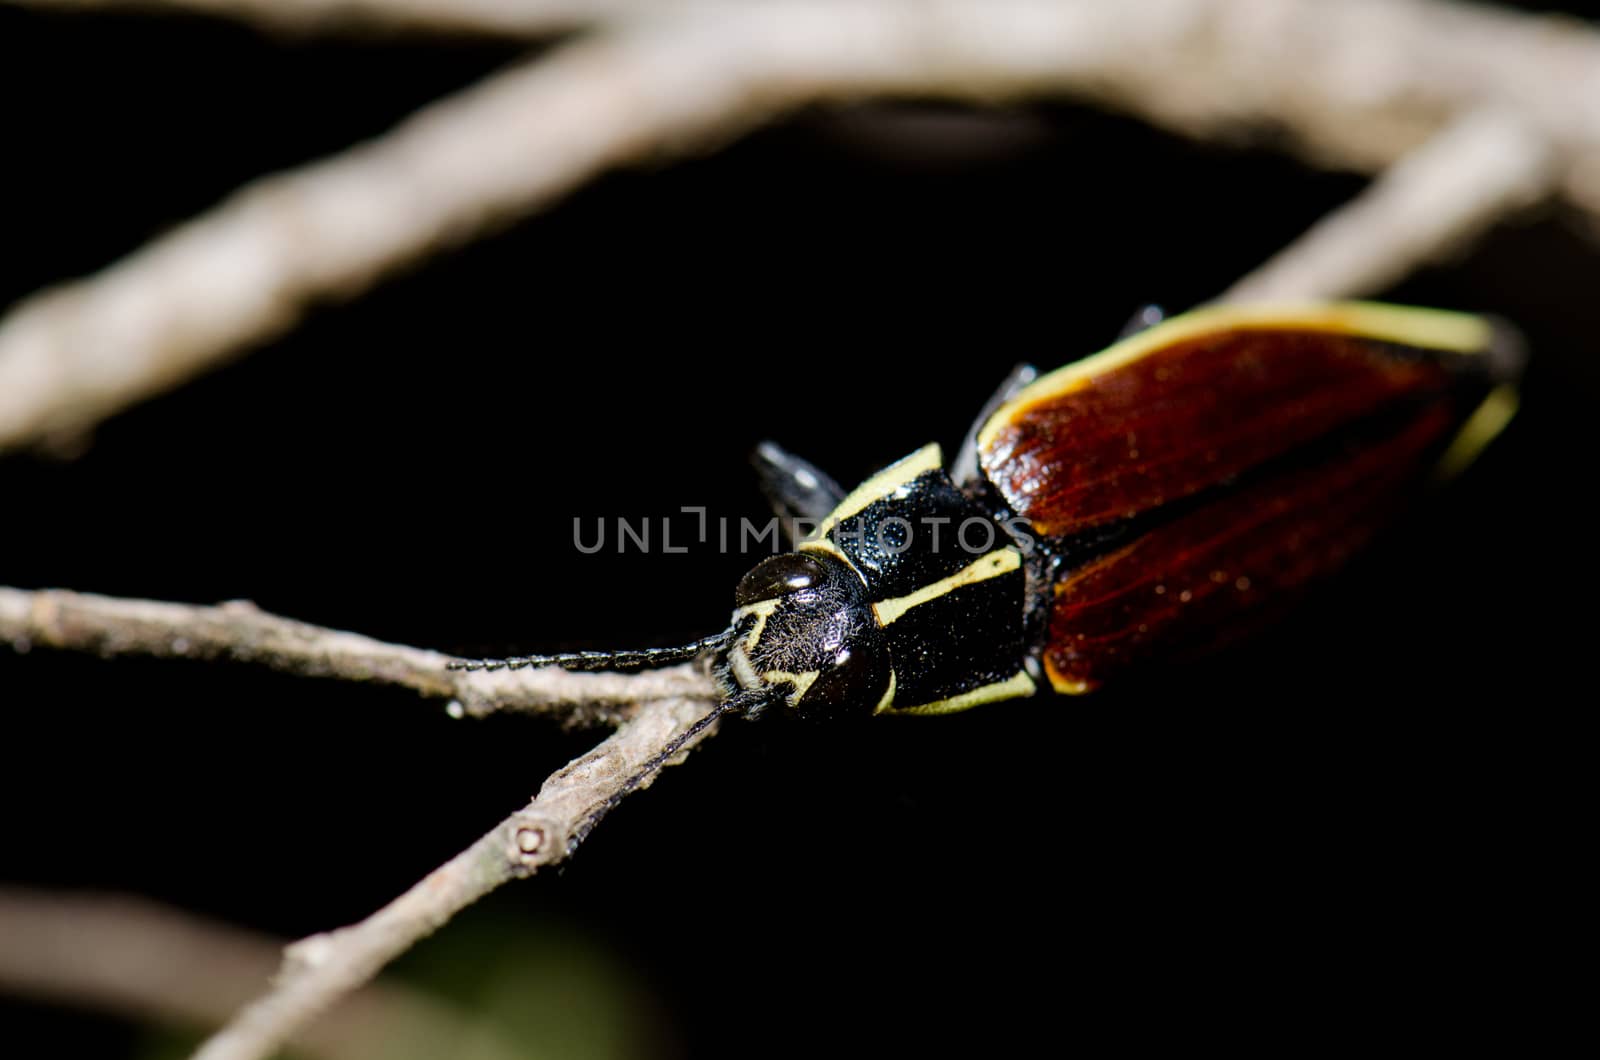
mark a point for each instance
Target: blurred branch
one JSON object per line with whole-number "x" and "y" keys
{"x": 513, "y": 18}
{"x": 148, "y": 962}
{"x": 239, "y": 631}
{"x": 1446, "y": 193}
{"x": 1360, "y": 84}
{"x": 247, "y": 270}
{"x": 322, "y": 968}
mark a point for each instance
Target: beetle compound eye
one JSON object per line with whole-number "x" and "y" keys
{"x": 779, "y": 576}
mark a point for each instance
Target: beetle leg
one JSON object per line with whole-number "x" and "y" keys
{"x": 965, "y": 469}
{"x": 798, "y": 491}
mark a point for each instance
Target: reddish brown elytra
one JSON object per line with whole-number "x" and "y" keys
{"x": 1244, "y": 452}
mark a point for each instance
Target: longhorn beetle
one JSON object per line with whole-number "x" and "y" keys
{"x": 1149, "y": 501}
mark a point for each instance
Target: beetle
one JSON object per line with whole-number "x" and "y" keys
{"x": 1147, "y": 502}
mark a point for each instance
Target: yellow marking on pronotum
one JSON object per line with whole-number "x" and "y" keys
{"x": 801, "y": 681}
{"x": 888, "y": 695}
{"x": 1434, "y": 329}
{"x": 1486, "y": 421}
{"x": 879, "y": 486}
{"x": 991, "y": 566}
{"x": 1012, "y": 688}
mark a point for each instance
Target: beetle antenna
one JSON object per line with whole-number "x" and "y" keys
{"x": 748, "y": 702}
{"x": 642, "y": 659}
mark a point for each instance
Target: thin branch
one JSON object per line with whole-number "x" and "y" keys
{"x": 248, "y": 269}
{"x": 1360, "y": 83}
{"x": 510, "y": 18}
{"x": 1197, "y": 64}
{"x": 661, "y": 705}
{"x": 320, "y": 969}
{"x": 1447, "y": 193}
{"x": 148, "y": 962}
{"x": 241, "y": 632}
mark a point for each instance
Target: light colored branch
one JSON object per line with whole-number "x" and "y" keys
{"x": 658, "y": 706}
{"x": 248, "y": 269}
{"x": 320, "y": 969}
{"x": 1446, "y": 193}
{"x": 1202, "y": 65}
{"x": 511, "y": 18}
{"x": 240, "y": 631}
{"x": 147, "y": 962}
{"x": 1360, "y": 83}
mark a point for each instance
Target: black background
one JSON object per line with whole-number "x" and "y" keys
{"x": 1353, "y": 829}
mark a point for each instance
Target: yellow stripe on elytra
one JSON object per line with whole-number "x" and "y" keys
{"x": 991, "y": 566}
{"x": 879, "y": 486}
{"x": 1486, "y": 421}
{"x": 1012, "y": 688}
{"x": 888, "y": 695}
{"x": 1434, "y": 329}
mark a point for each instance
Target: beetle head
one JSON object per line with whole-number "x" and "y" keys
{"x": 806, "y": 627}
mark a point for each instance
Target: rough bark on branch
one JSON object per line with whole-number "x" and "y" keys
{"x": 320, "y": 969}
{"x": 658, "y": 708}
{"x": 241, "y": 632}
